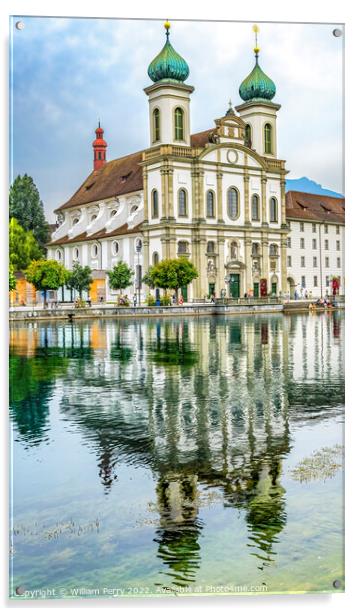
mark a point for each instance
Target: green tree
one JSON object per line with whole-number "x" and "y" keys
{"x": 23, "y": 247}
{"x": 171, "y": 274}
{"x": 12, "y": 279}
{"x": 79, "y": 278}
{"x": 120, "y": 276}
{"x": 26, "y": 206}
{"x": 45, "y": 275}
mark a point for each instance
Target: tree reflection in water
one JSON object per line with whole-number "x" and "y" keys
{"x": 202, "y": 403}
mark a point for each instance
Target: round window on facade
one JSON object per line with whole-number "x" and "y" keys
{"x": 75, "y": 221}
{"x": 115, "y": 248}
{"x": 113, "y": 213}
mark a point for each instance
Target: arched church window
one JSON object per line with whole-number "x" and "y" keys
{"x": 210, "y": 247}
{"x": 233, "y": 250}
{"x": 156, "y": 124}
{"x": 233, "y": 203}
{"x": 94, "y": 250}
{"x": 273, "y": 210}
{"x": 155, "y": 258}
{"x": 179, "y": 124}
{"x": 182, "y": 202}
{"x": 210, "y": 204}
{"x": 255, "y": 251}
{"x": 183, "y": 248}
{"x": 273, "y": 250}
{"x": 255, "y": 207}
{"x": 155, "y": 204}
{"x": 248, "y": 139}
{"x": 76, "y": 254}
{"x": 115, "y": 248}
{"x": 268, "y": 138}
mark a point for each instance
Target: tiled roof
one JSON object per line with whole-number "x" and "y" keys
{"x": 118, "y": 177}
{"x": 83, "y": 237}
{"x": 320, "y": 208}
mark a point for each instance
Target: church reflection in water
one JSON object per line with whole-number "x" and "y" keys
{"x": 206, "y": 405}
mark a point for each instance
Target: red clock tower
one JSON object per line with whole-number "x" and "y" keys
{"x": 99, "y": 146}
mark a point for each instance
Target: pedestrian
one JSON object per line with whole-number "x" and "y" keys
{"x": 213, "y": 298}
{"x": 134, "y": 300}
{"x": 181, "y": 300}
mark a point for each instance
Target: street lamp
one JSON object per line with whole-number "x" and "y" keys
{"x": 138, "y": 267}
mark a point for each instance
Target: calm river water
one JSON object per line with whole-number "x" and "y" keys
{"x": 185, "y": 455}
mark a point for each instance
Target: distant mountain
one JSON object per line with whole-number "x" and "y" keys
{"x": 309, "y": 186}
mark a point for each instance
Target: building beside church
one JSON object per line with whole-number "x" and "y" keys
{"x": 216, "y": 197}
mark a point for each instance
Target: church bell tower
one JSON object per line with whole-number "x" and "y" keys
{"x": 169, "y": 97}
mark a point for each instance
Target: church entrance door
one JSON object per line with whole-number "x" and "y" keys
{"x": 234, "y": 286}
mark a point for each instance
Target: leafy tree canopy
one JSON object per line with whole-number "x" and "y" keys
{"x": 12, "y": 279}
{"x": 26, "y": 206}
{"x": 120, "y": 276}
{"x": 171, "y": 274}
{"x": 23, "y": 247}
{"x": 79, "y": 278}
{"x": 46, "y": 275}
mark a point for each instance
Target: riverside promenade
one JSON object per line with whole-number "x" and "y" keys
{"x": 219, "y": 307}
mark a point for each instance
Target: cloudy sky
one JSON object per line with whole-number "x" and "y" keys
{"x": 67, "y": 73}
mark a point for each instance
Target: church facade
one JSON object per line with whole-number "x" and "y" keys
{"x": 216, "y": 197}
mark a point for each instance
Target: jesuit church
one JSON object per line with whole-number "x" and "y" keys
{"x": 216, "y": 197}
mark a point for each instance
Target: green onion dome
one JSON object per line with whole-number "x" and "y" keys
{"x": 257, "y": 85}
{"x": 168, "y": 64}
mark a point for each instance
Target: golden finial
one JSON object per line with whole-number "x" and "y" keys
{"x": 256, "y": 30}
{"x": 167, "y": 25}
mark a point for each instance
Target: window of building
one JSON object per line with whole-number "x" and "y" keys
{"x": 210, "y": 247}
{"x": 76, "y": 253}
{"x": 113, "y": 213}
{"x": 233, "y": 203}
{"x": 338, "y": 262}
{"x": 75, "y": 221}
{"x": 182, "y": 202}
{"x": 337, "y": 244}
{"x": 183, "y": 248}
{"x": 302, "y": 242}
{"x": 337, "y": 230}
{"x": 94, "y": 250}
{"x": 303, "y": 282}
{"x": 302, "y": 261}
{"x": 115, "y": 248}
{"x": 210, "y": 204}
{"x": 255, "y": 249}
{"x": 255, "y": 207}
{"x": 314, "y": 244}
{"x": 154, "y": 204}
{"x": 248, "y": 136}
{"x": 268, "y": 138}
{"x": 273, "y": 250}
{"x": 179, "y": 124}
{"x": 326, "y": 244}
{"x": 289, "y": 261}
{"x": 233, "y": 250}
{"x": 273, "y": 210}
{"x": 155, "y": 258}
{"x": 315, "y": 281}
{"x": 289, "y": 242}
{"x": 326, "y": 229}
{"x": 59, "y": 255}
{"x": 314, "y": 261}
{"x": 93, "y": 217}
{"x": 302, "y": 227}
{"x": 327, "y": 280}
{"x": 156, "y": 124}
{"x": 327, "y": 262}
{"x": 314, "y": 227}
